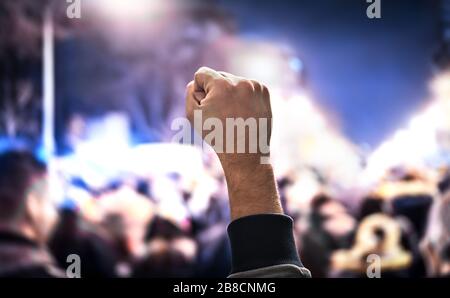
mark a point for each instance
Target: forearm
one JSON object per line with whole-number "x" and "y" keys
{"x": 261, "y": 237}
{"x": 251, "y": 188}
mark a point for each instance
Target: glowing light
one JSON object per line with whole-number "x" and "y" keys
{"x": 411, "y": 146}
{"x": 132, "y": 9}
{"x": 270, "y": 64}
{"x": 296, "y": 64}
{"x": 303, "y": 136}
{"x": 261, "y": 67}
{"x": 441, "y": 86}
{"x": 164, "y": 158}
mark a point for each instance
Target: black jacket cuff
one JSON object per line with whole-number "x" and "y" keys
{"x": 262, "y": 240}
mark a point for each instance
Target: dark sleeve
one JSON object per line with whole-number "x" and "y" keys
{"x": 263, "y": 246}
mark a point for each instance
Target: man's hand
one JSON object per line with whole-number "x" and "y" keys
{"x": 250, "y": 179}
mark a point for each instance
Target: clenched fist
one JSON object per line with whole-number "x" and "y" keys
{"x": 234, "y": 116}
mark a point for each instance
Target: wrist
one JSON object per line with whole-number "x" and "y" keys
{"x": 239, "y": 163}
{"x": 251, "y": 186}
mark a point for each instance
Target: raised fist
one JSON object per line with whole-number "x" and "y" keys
{"x": 232, "y": 114}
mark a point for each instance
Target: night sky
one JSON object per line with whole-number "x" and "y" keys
{"x": 371, "y": 75}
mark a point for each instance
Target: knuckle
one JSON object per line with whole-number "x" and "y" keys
{"x": 197, "y": 75}
{"x": 257, "y": 86}
{"x": 223, "y": 83}
{"x": 265, "y": 90}
{"x": 202, "y": 69}
{"x": 245, "y": 86}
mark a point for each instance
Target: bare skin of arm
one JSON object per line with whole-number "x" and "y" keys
{"x": 251, "y": 183}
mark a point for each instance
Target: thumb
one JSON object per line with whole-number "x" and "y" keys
{"x": 192, "y": 93}
{"x": 192, "y": 102}
{"x": 203, "y": 79}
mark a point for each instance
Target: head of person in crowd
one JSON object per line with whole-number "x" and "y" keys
{"x": 74, "y": 235}
{"x": 410, "y": 195}
{"x": 26, "y": 208}
{"x": 171, "y": 252}
{"x": 332, "y": 216}
{"x": 371, "y": 204}
{"x": 330, "y": 228}
{"x": 27, "y": 218}
{"x": 125, "y": 215}
{"x": 168, "y": 259}
{"x": 319, "y": 201}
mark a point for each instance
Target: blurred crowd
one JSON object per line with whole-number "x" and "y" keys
{"x": 401, "y": 228}
{"x": 132, "y": 229}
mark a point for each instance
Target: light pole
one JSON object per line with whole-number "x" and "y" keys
{"x": 48, "y": 103}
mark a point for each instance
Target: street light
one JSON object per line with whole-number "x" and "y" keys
{"x": 48, "y": 61}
